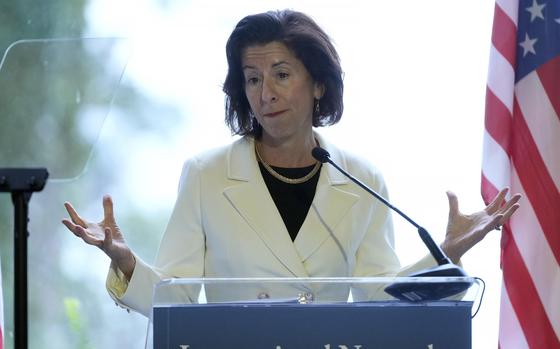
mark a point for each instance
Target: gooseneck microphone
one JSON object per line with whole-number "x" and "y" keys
{"x": 413, "y": 291}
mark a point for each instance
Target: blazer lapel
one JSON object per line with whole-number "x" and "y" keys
{"x": 252, "y": 200}
{"x": 330, "y": 205}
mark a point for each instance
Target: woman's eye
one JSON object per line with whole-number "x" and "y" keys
{"x": 283, "y": 75}
{"x": 252, "y": 80}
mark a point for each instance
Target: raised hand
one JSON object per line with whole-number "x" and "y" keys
{"x": 466, "y": 230}
{"x": 106, "y": 235}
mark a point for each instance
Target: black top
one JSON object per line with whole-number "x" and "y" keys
{"x": 292, "y": 200}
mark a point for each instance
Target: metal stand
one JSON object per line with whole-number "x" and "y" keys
{"x": 21, "y": 183}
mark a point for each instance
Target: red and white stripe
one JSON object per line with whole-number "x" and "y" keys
{"x": 522, "y": 151}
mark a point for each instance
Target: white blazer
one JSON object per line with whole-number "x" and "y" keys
{"x": 225, "y": 224}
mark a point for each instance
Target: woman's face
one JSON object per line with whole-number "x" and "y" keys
{"x": 280, "y": 91}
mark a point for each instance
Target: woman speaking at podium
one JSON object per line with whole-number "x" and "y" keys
{"x": 263, "y": 206}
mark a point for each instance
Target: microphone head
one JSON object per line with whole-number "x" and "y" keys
{"x": 320, "y": 154}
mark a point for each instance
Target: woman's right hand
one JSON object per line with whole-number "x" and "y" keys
{"x": 106, "y": 235}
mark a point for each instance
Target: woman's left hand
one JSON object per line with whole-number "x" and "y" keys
{"x": 466, "y": 230}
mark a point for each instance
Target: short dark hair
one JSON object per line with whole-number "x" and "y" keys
{"x": 308, "y": 42}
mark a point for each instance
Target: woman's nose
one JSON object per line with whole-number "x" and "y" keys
{"x": 268, "y": 93}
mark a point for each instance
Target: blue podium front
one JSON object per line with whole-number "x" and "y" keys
{"x": 367, "y": 325}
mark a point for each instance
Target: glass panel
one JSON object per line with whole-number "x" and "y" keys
{"x": 46, "y": 88}
{"x": 299, "y": 290}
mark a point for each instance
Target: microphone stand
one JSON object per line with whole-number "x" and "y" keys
{"x": 420, "y": 291}
{"x": 21, "y": 183}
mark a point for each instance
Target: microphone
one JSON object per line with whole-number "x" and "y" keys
{"x": 420, "y": 291}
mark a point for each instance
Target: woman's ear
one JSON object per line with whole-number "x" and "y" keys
{"x": 319, "y": 90}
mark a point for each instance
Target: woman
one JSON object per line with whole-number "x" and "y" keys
{"x": 263, "y": 206}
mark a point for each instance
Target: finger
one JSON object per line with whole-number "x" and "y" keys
{"x": 74, "y": 215}
{"x": 108, "y": 209}
{"x": 515, "y": 199}
{"x": 88, "y": 238}
{"x": 71, "y": 226}
{"x": 453, "y": 204}
{"x": 75, "y": 229}
{"x": 510, "y": 211}
{"x": 81, "y": 233}
{"x": 497, "y": 202}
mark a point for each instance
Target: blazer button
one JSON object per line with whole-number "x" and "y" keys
{"x": 263, "y": 295}
{"x": 305, "y": 298}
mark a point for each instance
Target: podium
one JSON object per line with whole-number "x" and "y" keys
{"x": 306, "y": 313}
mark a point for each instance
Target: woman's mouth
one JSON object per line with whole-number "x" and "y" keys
{"x": 273, "y": 114}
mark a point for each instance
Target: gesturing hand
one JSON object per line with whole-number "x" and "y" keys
{"x": 466, "y": 230}
{"x": 106, "y": 235}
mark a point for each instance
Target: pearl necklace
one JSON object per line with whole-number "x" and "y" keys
{"x": 285, "y": 179}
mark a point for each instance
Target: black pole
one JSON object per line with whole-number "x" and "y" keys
{"x": 21, "y": 183}
{"x": 21, "y": 213}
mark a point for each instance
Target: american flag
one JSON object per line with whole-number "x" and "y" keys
{"x": 522, "y": 151}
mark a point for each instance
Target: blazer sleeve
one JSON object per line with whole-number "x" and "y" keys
{"x": 180, "y": 255}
